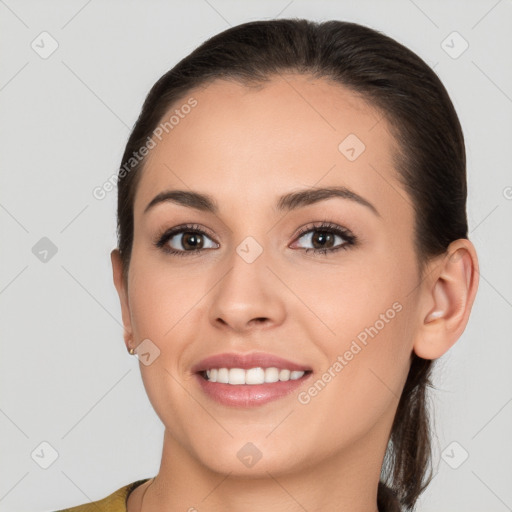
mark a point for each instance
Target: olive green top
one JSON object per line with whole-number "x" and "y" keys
{"x": 115, "y": 502}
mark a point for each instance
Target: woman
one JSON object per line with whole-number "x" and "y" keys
{"x": 292, "y": 257}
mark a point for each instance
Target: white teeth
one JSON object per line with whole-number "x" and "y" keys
{"x": 223, "y": 375}
{"x": 253, "y": 376}
{"x": 284, "y": 375}
{"x": 238, "y": 376}
{"x": 271, "y": 375}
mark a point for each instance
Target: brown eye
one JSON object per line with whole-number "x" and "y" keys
{"x": 322, "y": 239}
{"x": 185, "y": 239}
{"x": 192, "y": 240}
{"x": 327, "y": 238}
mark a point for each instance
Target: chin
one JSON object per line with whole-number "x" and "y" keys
{"x": 246, "y": 459}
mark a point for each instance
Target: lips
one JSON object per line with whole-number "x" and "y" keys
{"x": 253, "y": 394}
{"x": 247, "y": 361}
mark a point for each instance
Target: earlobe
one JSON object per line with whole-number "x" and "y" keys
{"x": 117, "y": 271}
{"x": 449, "y": 297}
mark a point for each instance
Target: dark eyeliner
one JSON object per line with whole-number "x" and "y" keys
{"x": 163, "y": 237}
{"x": 350, "y": 240}
{"x": 326, "y": 226}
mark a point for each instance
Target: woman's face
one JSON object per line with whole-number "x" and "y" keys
{"x": 248, "y": 285}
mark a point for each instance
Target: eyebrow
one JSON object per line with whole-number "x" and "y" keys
{"x": 287, "y": 202}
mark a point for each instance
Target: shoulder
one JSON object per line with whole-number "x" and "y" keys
{"x": 115, "y": 502}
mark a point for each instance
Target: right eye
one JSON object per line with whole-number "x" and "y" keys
{"x": 184, "y": 239}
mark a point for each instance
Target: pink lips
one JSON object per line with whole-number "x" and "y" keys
{"x": 248, "y": 395}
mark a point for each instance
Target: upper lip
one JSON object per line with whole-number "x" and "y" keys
{"x": 246, "y": 361}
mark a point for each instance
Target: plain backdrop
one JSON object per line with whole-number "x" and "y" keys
{"x": 69, "y": 390}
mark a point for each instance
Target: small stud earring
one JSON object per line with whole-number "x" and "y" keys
{"x": 131, "y": 351}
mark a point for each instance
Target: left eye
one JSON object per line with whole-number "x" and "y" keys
{"x": 324, "y": 239}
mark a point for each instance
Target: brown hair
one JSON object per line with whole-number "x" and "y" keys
{"x": 430, "y": 162}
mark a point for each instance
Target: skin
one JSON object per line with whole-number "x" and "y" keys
{"x": 246, "y": 147}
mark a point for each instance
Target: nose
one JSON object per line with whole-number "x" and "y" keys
{"x": 249, "y": 296}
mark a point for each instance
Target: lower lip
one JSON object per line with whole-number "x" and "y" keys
{"x": 249, "y": 395}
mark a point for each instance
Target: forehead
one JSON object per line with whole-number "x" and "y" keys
{"x": 248, "y": 145}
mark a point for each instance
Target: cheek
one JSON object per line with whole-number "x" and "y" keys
{"x": 365, "y": 340}
{"x": 365, "y": 299}
{"x": 345, "y": 299}
{"x": 161, "y": 299}
{"x": 161, "y": 305}
{"x": 362, "y": 379}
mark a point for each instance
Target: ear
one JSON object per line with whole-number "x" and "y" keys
{"x": 117, "y": 269}
{"x": 448, "y": 297}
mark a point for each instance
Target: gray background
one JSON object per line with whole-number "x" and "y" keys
{"x": 66, "y": 378}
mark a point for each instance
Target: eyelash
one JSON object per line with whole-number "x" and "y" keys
{"x": 350, "y": 240}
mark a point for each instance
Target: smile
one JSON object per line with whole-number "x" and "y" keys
{"x": 251, "y": 376}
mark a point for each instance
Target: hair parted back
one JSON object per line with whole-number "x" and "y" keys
{"x": 430, "y": 162}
